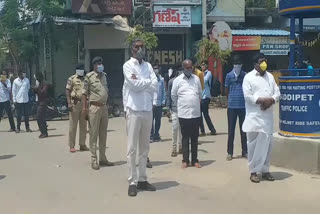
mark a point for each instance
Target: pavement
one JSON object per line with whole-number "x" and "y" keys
{"x": 40, "y": 176}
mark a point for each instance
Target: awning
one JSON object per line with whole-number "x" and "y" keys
{"x": 260, "y": 32}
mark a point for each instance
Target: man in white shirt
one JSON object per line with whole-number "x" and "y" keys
{"x": 20, "y": 90}
{"x": 260, "y": 93}
{"x": 140, "y": 84}
{"x": 186, "y": 94}
{"x": 5, "y": 91}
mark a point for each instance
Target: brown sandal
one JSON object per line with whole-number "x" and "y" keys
{"x": 254, "y": 178}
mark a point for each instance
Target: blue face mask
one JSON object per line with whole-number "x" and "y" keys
{"x": 100, "y": 68}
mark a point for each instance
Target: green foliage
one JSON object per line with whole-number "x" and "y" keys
{"x": 150, "y": 39}
{"x": 207, "y": 48}
{"x": 261, "y": 3}
{"x": 15, "y": 26}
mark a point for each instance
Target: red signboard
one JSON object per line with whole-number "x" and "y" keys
{"x": 115, "y": 7}
{"x": 246, "y": 43}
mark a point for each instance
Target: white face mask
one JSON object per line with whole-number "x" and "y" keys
{"x": 24, "y": 75}
{"x": 237, "y": 69}
{"x": 80, "y": 72}
{"x": 100, "y": 68}
{"x": 170, "y": 71}
{"x": 37, "y": 83}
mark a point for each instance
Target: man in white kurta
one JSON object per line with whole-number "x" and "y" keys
{"x": 260, "y": 93}
{"x": 140, "y": 84}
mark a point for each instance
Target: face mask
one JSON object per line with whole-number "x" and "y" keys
{"x": 187, "y": 72}
{"x": 237, "y": 69}
{"x": 80, "y": 72}
{"x": 156, "y": 71}
{"x": 170, "y": 71}
{"x": 24, "y": 75}
{"x": 37, "y": 83}
{"x": 100, "y": 68}
{"x": 140, "y": 54}
{"x": 10, "y": 75}
{"x": 263, "y": 66}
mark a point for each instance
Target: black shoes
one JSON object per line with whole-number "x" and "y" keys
{"x": 17, "y": 130}
{"x": 12, "y": 130}
{"x": 254, "y": 178}
{"x": 43, "y": 136}
{"x": 267, "y": 176}
{"x": 145, "y": 186}
{"x": 132, "y": 191}
{"x": 84, "y": 148}
{"x": 106, "y": 163}
{"x": 28, "y": 130}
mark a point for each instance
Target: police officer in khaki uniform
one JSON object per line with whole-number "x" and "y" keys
{"x": 74, "y": 97}
{"x": 94, "y": 100}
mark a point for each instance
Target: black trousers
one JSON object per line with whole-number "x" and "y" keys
{"x": 6, "y": 106}
{"x": 22, "y": 109}
{"x": 233, "y": 114}
{"x": 41, "y": 119}
{"x": 205, "y": 112}
{"x": 190, "y": 132}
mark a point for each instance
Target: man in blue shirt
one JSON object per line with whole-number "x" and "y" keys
{"x": 158, "y": 102}
{"x": 205, "y": 101}
{"x": 236, "y": 106}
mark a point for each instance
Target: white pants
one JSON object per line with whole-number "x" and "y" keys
{"x": 138, "y": 129}
{"x": 259, "y": 149}
{"x": 176, "y": 131}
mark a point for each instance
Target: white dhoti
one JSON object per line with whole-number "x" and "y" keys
{"x": 259, "y": 150}
{"x": 138, "y": 129}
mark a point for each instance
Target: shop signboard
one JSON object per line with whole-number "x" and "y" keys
{"x": 273, "y": 45}
{"x": 172, "y": 16}
{"x": 177, "y": 2}
{"x": 246, "y": 43}
{"x": 119, "y": 7}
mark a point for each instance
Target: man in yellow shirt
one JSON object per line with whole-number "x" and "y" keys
{"x": 198, "y": 73}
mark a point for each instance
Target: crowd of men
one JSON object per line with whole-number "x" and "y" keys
{"x": 187, "y": 94}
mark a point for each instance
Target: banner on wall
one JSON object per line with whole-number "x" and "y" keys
{"x": 178, "y": 2}
{"x": 172, "y": 16}
{"x": 246, "y": 43}
{"x": 119, "y": 7}
{"x": 272, "y": 45}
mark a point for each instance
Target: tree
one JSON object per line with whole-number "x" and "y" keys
{"x": 16, "y": 32}
{"x": 150, "y": 39}
{"x": 207, "y": 48}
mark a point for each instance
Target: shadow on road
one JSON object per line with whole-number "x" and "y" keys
{"x": 110, "y": 130}
{"x": 159, "y": 163}
{"x": 221, "y": 133}
{"x": 281, "y": 175}
{"x": 202, "y": 150}
{"x": 56, "y": 135}
{"x": 2, "y": 177}
{"x": 165, "y": 185}
{"x": 206, "y": 142}
{"x": 207, "y": 162}
{"x": 3, "y": 157}
{"x": 166, "y": 140}
{"x": 119, "y": 163}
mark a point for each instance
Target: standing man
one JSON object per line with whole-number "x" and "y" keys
{"x": 260, "y": 93}
{"x": 43, "y": 99}
{"x": 94, "y": 107}
{"x": 205, "y": 101}
{"x": 176, "y": 130}
{"x": 186, "y": 94}
{"x": 197, "y": 72}
{"x": 159, "y": 101}
{"x": 140, "y": 83}
{"x": 5, "y": 97}
{"x": 236, "y": 106}
{"x": 74, "y": 97}
{"x": 20, "y": 90}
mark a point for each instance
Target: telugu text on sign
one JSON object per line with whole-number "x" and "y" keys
{"x": 171, "y": 16}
